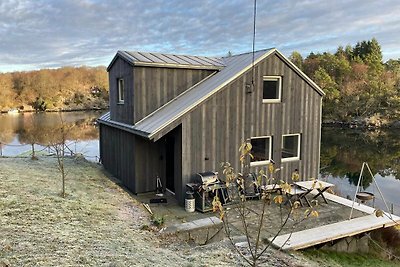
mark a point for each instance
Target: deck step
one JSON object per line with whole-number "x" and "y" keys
{"x": 200, "y": 231}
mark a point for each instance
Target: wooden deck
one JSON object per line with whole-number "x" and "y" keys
{"x": 311, "y": 237}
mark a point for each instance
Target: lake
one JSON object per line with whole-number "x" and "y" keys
{"x": 342, "y": 150}
{"x": 18, "y": 132}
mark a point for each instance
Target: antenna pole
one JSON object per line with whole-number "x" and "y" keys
{"x": 254, "y": 41}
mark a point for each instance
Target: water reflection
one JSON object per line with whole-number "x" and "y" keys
{"x": 18, "y": 133}
{"x": 344, "y": 150}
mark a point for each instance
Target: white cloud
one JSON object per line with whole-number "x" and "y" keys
{"x": 47, "y": 33}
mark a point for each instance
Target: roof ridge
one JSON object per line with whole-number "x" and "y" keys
{"x": 170, "y": 54}
{"x": 257, "y": 51}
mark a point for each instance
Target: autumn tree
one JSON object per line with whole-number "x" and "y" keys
{"x": 54, "y": 88}
{"x": 297, "y": 59}
{"x": 356, "y": 82}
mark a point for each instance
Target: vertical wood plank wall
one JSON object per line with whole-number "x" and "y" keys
{"x": 121, "y": 112}
{"x": 213, "y": 132}
{"x": 153, "y": 87}
{"x": 117, "y": 154}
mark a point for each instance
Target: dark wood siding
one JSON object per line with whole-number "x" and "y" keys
{"x": 137, "y": 162}
{"x": 153, "y": 87}
{"x": 213, "y": 132}
{"x": 150, "y": 163}
{"x": 117, "y": 154}
{"x": 121, "y": 112}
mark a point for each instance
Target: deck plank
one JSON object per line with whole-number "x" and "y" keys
{"x": 330, "y": 232}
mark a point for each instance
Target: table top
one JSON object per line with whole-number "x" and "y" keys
{"x": 295, "y": 191}
{"x": 317, "y": 184}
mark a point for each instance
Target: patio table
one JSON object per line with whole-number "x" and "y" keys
{"x": 320, "y": 186}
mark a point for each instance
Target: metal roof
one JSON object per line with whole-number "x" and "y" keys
{"x": 169, "y": 60}
{"x": 177, "y": 107}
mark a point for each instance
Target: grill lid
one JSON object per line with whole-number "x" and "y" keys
{"x": 206, "y": 178}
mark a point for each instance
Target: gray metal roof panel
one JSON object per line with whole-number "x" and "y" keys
{"x": 158, "y": 58}
{"x": 188, "y": 100}
{"x": 211, "y": 60}
{"x": 164, "y": 58}
{"x": 178, "y": 60}
{"x": 154, "y": 58}
{"x": 136, "y": 56}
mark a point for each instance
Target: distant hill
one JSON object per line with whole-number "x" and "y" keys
{"x": 66, "y": 88}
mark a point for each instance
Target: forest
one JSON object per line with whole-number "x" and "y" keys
{"x": 66, "y": 88}
{"x": 359, "y": 86}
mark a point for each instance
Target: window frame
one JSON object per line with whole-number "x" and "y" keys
{"x": 298, "y": 148}
{"x": 121, "y": 91}
{"x": 278, "y": 79}
{"x": 263, "y": 162}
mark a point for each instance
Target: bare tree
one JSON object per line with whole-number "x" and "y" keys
{"x": 57, "y": 142}
{"x": 236, "y": 183}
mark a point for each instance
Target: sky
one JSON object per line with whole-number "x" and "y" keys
{"x": 37, "y": 34}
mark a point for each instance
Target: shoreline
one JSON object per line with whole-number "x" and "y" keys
{"x": 54, "y": 110}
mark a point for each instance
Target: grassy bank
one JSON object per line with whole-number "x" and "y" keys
{"x": 341, "y": 259}
{"x": 97, "y": 224}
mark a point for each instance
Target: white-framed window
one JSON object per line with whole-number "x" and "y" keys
{"x": 291, "y": 147}
{"x": 121, "y": 90}
{"x": 272, "y": 89}
{"x": 261, "y": 150}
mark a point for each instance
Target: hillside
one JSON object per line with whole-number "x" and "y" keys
{"x": 66, "y": 88}
{"x": 359, "y": 87}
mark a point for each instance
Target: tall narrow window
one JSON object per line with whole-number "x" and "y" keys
{"x": 121, "y": 90}
{"x": 272, "y": 89}
{"x": 261, "y": 150}
{"x": 290, "y": 147}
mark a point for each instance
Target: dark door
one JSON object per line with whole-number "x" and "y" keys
{"x": 170, "y": 163}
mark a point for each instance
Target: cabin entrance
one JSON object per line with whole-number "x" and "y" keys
{"x": 170, "y": 163}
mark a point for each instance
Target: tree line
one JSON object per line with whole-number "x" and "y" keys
{"x": 357, "y": 83}
{"x": 65, "y": 88}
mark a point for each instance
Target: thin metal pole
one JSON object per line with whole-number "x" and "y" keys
{"x": 384, "y": 201}
{"x": 358, "y": 185}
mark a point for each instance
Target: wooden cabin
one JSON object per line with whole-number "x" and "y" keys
{"x": 172, "y": 116}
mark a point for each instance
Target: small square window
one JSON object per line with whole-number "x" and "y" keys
{"x": 261, "y": 150}
{"x": 290, "y": 147}
{"x": 121, "y": 90}
{"x": 272, "y": 89}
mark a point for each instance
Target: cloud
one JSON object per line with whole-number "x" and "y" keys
{"x": 45, "y": 33}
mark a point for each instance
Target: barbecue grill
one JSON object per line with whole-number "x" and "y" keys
{"x": 205, "y": 187}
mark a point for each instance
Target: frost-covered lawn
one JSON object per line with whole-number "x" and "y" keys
{"x": 97, "y": 224}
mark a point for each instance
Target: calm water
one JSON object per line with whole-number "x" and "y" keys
{"x": 19, "y": 131}
{"x": 342, "y": 150}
